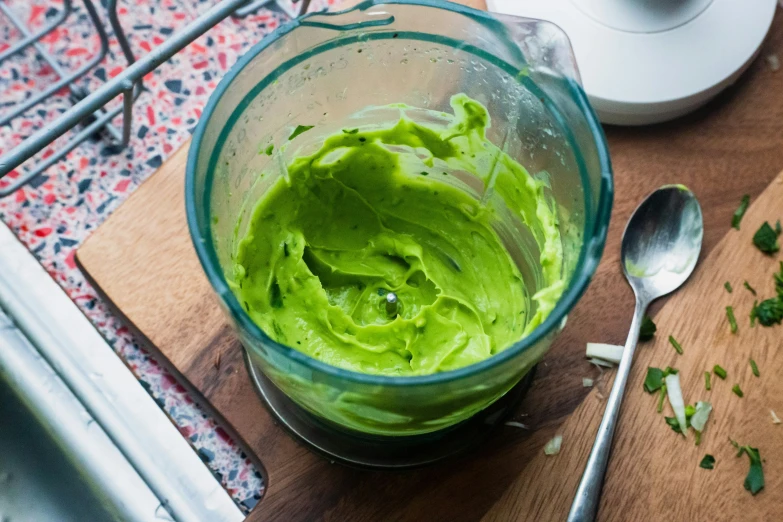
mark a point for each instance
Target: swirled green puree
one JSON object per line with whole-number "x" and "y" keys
{"x": 364, "y": 216}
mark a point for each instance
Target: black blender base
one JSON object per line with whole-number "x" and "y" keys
{"x": 380, "y": 452}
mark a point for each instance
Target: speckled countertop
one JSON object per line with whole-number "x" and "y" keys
{"x": 58, "y": 210}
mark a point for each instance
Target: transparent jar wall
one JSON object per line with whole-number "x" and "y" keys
{"x": 324, "y": 76}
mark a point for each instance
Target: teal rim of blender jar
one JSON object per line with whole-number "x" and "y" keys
{"x": 594, "y": 233}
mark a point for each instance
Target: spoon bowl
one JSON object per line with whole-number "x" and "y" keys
{"x": 662, "y": 241}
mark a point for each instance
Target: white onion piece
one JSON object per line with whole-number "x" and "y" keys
{"x": 553, "y": 446}
{"x": 605, "y": 352}
{"x": 674, "y": 392}
{"x": 775, "y": 419}
{"x": 587, "y": 383}
{"x": 702, "y": 414}
{"x": 601, "y": 362}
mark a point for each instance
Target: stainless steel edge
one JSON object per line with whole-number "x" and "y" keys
{"x": 107, "y": 389}
{"x": 120, "y": 490}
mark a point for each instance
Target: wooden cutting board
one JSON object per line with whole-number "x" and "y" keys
{"x": 142, "y": 260}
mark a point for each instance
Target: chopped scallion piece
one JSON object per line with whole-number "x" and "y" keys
{"x": 732, "y": 319}
{"x": 553, "y": 446}
{"x": 707, "y": 378}
{"x": 600, "y": 362}
{"x": 661, "y": 397}
{"x": 728, "y": 287}
{"x": 647, "y": 330}
{"x": 674, "y": 393}
{"x": 654, "y": 380}
{"x": 299, "y": 130}
{"x": 719, "y": 371}
{"x": 269, "y": 150}
{"x": 607, "y": 352}
{"x": 743, "y": 207}
{"x": 700, "y": 415}
{"x": 754, "y": 313}
{"x": 779, "y": 281}
{"x": 750, "y": 288}
{"x": 754, "y": 368}
{"x": 775, "y": 419}
{"x": 676, "y": 345}
{"x": 708, "y": 462}
{"x": 737, "y": 390}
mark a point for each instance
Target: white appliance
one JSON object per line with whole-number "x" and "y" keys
{"x": 648, "y": 61}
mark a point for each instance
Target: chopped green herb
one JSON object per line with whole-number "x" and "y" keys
{"x": 676, "y": 345}
{"x": 697, "y": 437}
{"x": 299, "y": 130}
{"x": 743, "y": 207}
{"x": 708, "y": 462}
{"x": 737, "y": 391}
{"x": 766, "y": 239}
{"x": 268, "y": 151}
{"x": 350, "y": 131}
{"x": 689, "y": 411}
{"x": 719, "y": 371}
{"x": 732, "y": 319}
{"x": 754, "y": 313}
{"x": 670, "y": 371}
{"x": 778, "y": 228}
{"x": 770, "y": 311}
{"x": 425, "y": 173}
{"x": 654, "y": 380}
{"x": 661, "y": 397}
{"x": 707, "y": 379}
{"x": 736, "y": 445}
{"x": 648, "y": 329}
{"x": 779, "y": 281}
{"x": 750, "y": 288}
{"x": 673, "y": 423}
{"x": 728, "y": 287}
{"x": 275, "y": 297}
{"x": 754, "y": 368}
{"x": 754, "y": 481}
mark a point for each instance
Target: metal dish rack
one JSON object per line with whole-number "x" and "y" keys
{"x": 89, "y": 111}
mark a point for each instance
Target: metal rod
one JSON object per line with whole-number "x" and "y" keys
{"x": 123, "y": 81}
{"x": 34, "y": 37}
{"x": 392, "y": 305}
{"x": 62, "y": 82}
{"x": 127, "y": 115}
{"x": 251, "y": 7}
{"x": 128, "y": 96}
{"x": 85, "y": 133}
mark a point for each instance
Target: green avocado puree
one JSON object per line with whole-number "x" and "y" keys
{"x": 365, "y": 215}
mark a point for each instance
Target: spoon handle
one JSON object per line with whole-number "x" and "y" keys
{"x": 585, "y": 503}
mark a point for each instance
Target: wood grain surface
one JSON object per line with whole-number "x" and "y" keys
{"x": 143, "y": 261}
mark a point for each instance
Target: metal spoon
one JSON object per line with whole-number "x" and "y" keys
{"x": 661, "y": 244}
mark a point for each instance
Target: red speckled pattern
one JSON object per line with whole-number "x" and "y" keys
{"x": 58, "y": 210}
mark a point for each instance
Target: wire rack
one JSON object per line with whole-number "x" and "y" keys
{"x": 89, "y": 111}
